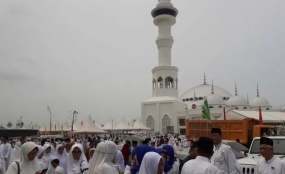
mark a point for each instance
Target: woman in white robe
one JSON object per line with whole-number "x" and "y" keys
{"x": 16, "y": 155}
{"x": 119, "y": 162}
{"x": 152, "y": 163}
{"x": 47, "y": 156}
{"x": 40, "y": 156}
{"x": 91, "y": 153}
{"x": 62, "y": 155}
{"x": 76, "y": 161}
{"x": 28, "y": 162}
{"x": 55, "y": 168}
{"x": 102, "y": 159}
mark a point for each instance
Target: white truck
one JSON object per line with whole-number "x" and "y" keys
{"x": 248, "y": 164}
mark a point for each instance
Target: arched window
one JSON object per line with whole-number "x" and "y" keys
{"x": 153, "y": 84}
{"x": 165, "y": 123}
{"x": 267, "y": 109}
{"x": 150, "y": 122}
{"x": 220, "y": 106}
{"x": 245, "y": 108}
{"x": 211, "y": 107}
{"x": 160, "y": 82}
{"x": 169, "y": 82}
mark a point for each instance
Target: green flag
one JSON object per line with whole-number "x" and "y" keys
{"x": 206, "y": 111}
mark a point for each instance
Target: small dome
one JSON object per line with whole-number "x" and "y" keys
{"x": 215, "y": 99}
{"x": 259, "y": 101}
{"x": 204, "y": 90}
{"x": 237, "y": 100}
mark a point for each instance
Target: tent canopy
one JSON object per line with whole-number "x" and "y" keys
{"x": 108, "y": 126}
{"x": 66, "y": 126}
{"x": 89, "y": 127}
{"x": 138, "y": 125}
{"x": 123, "y": 125}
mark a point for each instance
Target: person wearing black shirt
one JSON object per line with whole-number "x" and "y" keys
{"x": 192, "y": 154}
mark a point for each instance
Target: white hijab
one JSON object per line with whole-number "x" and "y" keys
{"x": 119, "y": 161}
{"x": 16, "y": 155}
{"x": 62, "y": 157}
{"x": 74, "y": 165}
{"x": 26, "y": 166}
{"x": 93, "y": 149}
{"x": 150, "y": 163}
{"x": 104, "y": 153}
{"x": 40, "y": 162}
{"x": 47, "y": 156}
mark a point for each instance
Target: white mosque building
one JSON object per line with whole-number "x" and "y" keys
{"x": 166, "y": 111}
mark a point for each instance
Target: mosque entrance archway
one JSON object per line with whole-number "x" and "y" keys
{"x": 150, "y": 122}
{"x": 165, "y": 123}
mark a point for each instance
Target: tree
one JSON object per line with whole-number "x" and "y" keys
{"x": 50, "y": 118}
{"x": 73, "y": 118}
{"x": 9, "y": 125}
{"x": 20, "y": 123}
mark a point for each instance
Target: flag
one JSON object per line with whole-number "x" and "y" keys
{"x": 260, "y": 117}
{"x": 206, "y": 111}
{"x": 62, "y": 130}
{"x": 224, "y": 112}
{"x": 81, "y": 123}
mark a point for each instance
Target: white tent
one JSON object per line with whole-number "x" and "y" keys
{"x": 75, "y": 126}
{"x": 66, "y": 126}
{"x": 108, "y": 126}
{"x": 98, "y": 124}
{"x": 138, "y": 125}
{"x": 123, "y": 125}
{"x": 89, "y": 127}
{"x": 42, "y": 128}
{"x": 57, "y": 127}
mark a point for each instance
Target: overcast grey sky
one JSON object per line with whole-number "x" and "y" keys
{"x": 96, "y": 56}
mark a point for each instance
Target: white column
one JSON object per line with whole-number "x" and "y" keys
{"x": 164, "y": 42}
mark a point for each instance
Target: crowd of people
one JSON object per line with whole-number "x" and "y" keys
{"x": 155, "y": 155}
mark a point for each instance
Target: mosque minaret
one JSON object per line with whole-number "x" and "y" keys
{"x": 165, "y": 82}
{"x": 160, "y": 113}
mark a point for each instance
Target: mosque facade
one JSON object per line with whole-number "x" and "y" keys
{"x": 166, "y": 112}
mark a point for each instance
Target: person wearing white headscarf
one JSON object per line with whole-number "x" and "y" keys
{"x": 91, "y": 153}
{"x": 152, "y": 163}
{"x": 16, "y": 152}
{"x": 76, "y": 161}
{"x": 62, "y": 156}
{"x": 55, "y": 168}
{"x": 104, "y": 154}
{"x": 28, "y": 162}
{"x": 119, "y": 162}
{"x": 40, "y": 156}
{"x": 47, "y": 156}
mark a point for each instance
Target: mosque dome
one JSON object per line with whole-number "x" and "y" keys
{"x": 215, "y": 99}
{"x": 237, "y": 100}
{"x": 202, "y": 91}
{"x": 259, "y": 101}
